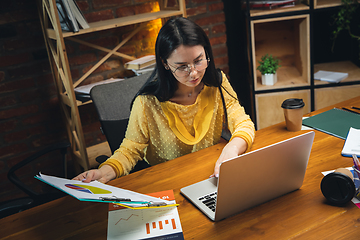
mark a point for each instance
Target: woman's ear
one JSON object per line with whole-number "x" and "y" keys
{"x": 165, "y": 65}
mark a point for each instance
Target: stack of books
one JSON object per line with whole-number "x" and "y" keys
{"x": 141, "y": 63}
{"x": 70, "y": 16}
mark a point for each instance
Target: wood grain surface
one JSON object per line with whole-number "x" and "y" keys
{"x": 302, "y": 214}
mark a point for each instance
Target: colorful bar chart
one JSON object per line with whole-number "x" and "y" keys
{"x": 153, "y": 223}
{"x": 160, "y": 225}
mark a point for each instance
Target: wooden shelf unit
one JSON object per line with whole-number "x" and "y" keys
{"x": 342, "y": 66}
{"x": 326, "y": 3}
{"x": 288, "y": 39}
{"x": 287, "y": 34}
{"x": 118, "y": 22}
{"x": 265, "y": 105}
{"x": 262, "y": 12}
{"x": 56, "y": 48}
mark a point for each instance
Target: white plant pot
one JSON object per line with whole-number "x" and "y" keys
{"x": 268, "y": 79}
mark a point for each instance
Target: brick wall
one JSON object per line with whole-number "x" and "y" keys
{"x": 30, "y": 117}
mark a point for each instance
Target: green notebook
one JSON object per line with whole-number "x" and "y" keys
{"x": 335, "y": 122}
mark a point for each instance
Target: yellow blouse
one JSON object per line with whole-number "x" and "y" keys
{"x": 161, "y": 131}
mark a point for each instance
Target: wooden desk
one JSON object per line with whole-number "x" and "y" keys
{"x": 302, "y": 214}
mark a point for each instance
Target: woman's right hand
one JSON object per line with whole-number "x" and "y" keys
{"x": 104, "y": 175}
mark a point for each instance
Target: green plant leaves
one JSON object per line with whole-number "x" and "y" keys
{"x": 343, "y": 19}
{"x": 268, "y": 64}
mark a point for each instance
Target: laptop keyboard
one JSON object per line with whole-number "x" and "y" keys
{"x": 209, "y": 200}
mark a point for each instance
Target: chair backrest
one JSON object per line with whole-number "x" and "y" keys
{"x": 112, "y": 102}
{"x": 14, "y": 178}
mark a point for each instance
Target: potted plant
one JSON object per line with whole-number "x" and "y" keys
{"x": 268, "y": 67}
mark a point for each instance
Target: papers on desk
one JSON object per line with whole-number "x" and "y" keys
{"x": 163, "y": 223}
{"x": 99, "y": 192}
{"x": 356, "y": 181}
{"x": 352, "y": 143}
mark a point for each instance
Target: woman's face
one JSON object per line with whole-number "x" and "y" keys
{"x": 188, "y": 64}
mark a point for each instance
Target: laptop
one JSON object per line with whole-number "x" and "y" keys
{"x": 253, "y": 178}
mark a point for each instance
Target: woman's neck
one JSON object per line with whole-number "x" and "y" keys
{"x": 185, "y": 95}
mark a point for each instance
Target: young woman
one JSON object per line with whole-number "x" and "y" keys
{"x": 180, "y": 109}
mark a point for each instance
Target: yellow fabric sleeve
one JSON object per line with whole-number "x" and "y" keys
{"x": 239, "y": 123}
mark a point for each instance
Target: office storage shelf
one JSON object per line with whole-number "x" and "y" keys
{"x": 342, "y": 66}
{"x": 277, "y": 10}
{"x": 118, "y": 22}
{"x": 288, "y": 39}
{"x": 56, "y": 48}
{"x": 288, "y": 33}
{"x": 326, "y": 3}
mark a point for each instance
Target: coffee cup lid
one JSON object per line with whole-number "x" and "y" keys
{"x": 338, "y": 188}
{"x": 293, "y": 103}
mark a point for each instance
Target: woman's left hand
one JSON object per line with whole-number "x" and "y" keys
{"x": 232, "y": 149}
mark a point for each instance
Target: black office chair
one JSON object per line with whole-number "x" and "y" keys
{"x": 112, "y": 102}
{"x": 34, "y": 198}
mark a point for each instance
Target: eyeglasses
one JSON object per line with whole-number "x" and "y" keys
{"x": 185, "y": 70}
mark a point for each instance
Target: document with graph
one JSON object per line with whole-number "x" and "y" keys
{"x": 152, "y": 223}
{"x": 99, "y": 192}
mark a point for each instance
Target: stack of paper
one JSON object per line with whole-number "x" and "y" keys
{"x": 99, "y": 192}
{"x": 352, "y": 143}
{"x": 328, "y": 76}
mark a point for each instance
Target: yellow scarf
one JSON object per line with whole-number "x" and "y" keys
{"x": 202, "y": 119}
